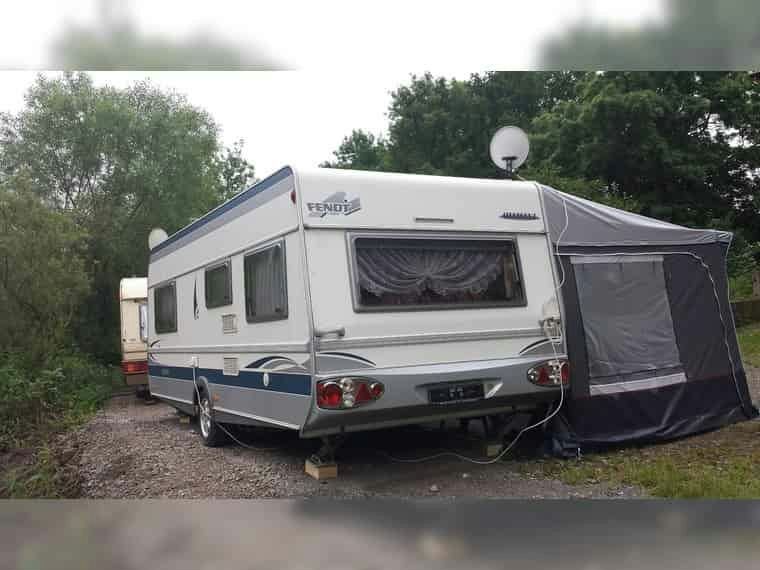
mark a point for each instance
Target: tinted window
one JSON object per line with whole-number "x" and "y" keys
{"x": 165, "y": 304}
{"x": 218, "y": 286}
{"x": 266, "y": 296}
{"x": 396, "y": 273}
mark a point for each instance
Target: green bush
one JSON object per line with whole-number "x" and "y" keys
{"x": 35, "y": 401}
{"x": 740, "y": 286}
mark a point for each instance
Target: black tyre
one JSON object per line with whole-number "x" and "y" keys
{"x": 211, "y": 434}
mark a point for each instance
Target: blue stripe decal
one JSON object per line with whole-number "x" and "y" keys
{"x": 257, "y": 188}
{"x": 284, "y": 382}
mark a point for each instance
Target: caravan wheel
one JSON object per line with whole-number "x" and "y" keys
{"x": 211, "y": 434}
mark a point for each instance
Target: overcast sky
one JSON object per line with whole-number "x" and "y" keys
{"x": 347, "y": 56}
{"x": 285, "y": 117}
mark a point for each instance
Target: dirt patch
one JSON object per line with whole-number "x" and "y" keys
{"x": 138, "y": 451}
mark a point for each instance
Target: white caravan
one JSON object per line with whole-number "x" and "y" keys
{"x": 133, "y": 312}
{"x": 330, "y": 301}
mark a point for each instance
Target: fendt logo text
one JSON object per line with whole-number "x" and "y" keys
{"x": 337, "y": 204}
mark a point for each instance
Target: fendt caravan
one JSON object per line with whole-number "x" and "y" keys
{"x": 330, "y": 301}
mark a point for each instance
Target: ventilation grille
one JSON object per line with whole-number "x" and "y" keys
{"x": 230, "y": 366}
{"x": 229, "y": 324}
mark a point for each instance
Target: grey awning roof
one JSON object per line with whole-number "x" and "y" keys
{"x": 593, "y": 224}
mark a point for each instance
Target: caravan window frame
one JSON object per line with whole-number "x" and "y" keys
{"x": 161, "y": 330}
{"x": 213, "y": 267}
{"x": 353, "y": 270}
{"x": 283, "y": 267}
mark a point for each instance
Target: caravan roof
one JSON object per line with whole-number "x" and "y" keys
{"x": 133, "y": 288}
{"x": 385, "y": 201}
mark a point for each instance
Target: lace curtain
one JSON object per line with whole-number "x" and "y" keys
{"x": 265, "y": 285}
{"x": 405, "y": 271}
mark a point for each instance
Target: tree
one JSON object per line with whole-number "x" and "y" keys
{"x": 682, "y": 144}
{"x": 440, "y": 126}
{"x": 361, "y": 151}
{"x": 118, "y": 162}
{"x": 236, "y": 172}
{"x": 42, "y": 275}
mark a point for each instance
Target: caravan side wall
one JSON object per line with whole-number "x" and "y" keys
{"x": 234, "y": 357}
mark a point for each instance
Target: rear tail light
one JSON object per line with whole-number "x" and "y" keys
{"x": 134, "y": 366}
{"x": 342, "y": 393}
{"x": 550, "y": 373}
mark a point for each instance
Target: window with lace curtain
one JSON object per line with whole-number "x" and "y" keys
{"x": 266, "y": 294}
{"x": 430, "y": 273}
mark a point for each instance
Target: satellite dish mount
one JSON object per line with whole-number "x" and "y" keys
{"x": 509, "y": 162}
{"x": 509, "y": 148}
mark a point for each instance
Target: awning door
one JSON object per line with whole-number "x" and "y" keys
{"x": 627, "y": 323}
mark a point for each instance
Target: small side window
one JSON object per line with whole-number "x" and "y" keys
{"x": 143, "y": 313}
{"x": 266, "y": 297}
{"x": 218, "y": 286}
{"x": 165, "y": 304}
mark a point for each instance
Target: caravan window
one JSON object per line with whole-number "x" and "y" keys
{"x": 143, "y": 314}
{"x": 165, "y": 304}
{"x": 218, "y": 286}
{"x": 436, "y": 273}
{"x": 266, "y": 297}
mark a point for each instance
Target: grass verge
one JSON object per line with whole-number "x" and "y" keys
{"x": 749, "y": 341}
{"x": 723, "y": 464}
{"x": 720, "y": 465}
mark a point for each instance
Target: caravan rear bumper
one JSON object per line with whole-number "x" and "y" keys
{"x": 406, "y": 397}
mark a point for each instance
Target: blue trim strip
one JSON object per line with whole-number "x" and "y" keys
{"x": 284, "y": 382}
{"x": 257, "y": 188}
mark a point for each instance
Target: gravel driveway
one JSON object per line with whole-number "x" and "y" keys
{"x": 133, "y": 450}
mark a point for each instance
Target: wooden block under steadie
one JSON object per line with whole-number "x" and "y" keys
{"x": 320, "y": 472}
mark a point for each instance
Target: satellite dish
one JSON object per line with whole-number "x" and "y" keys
{"x": 156, "y": 237}
{"x": 509, "y": 148}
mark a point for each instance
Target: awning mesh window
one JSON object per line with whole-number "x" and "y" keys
{"x": 627, "y": 322}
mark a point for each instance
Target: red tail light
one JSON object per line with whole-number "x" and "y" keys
{"x": 342, "y": 393}
{"x": 134, "y": 366}
{"x": 550, "y": 373}
{"x": 329, "y": 395}
{"x": 362, "y": 393}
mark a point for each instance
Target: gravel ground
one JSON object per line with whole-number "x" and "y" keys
{"x": 133, "y": 450}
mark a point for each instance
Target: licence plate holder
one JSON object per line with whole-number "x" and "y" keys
{"x": 454, "y": 393}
